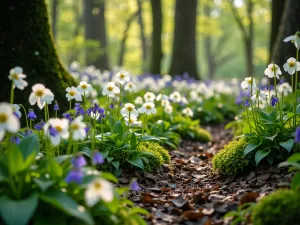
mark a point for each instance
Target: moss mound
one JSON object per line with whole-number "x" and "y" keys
{"x": 201, "y": 134}
{"x": 230, "y": 160}
{"x": 279, "y": 208}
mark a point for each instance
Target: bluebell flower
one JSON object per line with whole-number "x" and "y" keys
{"x": 96, "y": 112}
{"x": 39, "y": 125}
{"x": 247, "y": 103}
{"x": 67, "y": 116}
{"x": 297, "y": 135}
{"x": 78, "y": 161}
{"x": 87, "y": 129}
{"x": 56, "y": 106}
{"x": 135, "y": 186}
{"x": 75, "y": 175}
{"x": 111, "y": 105}
{"x": 15, "y": 139}
{"x": 98, "y": 158}
{"x": 79, "y": 110}
{"x": 27, "y": 133}
{"x": 274, "y": 101}
{"x": 239, "y": 100}
{"x": 31, "y": 115}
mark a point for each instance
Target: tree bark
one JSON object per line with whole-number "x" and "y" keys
{"x": 142, "y": 31}
{"x": 156, "y": 53}
{"x": 26, "y": 41}
{"x": 184, "y": 44}
{"x": 95, "y": 29}
{"x": 54, "y": 17}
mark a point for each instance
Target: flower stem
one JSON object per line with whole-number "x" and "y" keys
{"x": 296, "y": 87}
{"x": 70, "y": 104}
{"x": 12, "y": 93}
{"x": 25, "y": 114}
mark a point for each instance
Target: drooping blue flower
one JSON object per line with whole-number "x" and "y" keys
{"x": 135, "y": 186}
{"x": 79, "y": 110}
{"x": 111, "y": 105}
{"x": 67, "y": 116}
{"x": 98, "y": 158}
{"x": 31, "y": 115}
{"x": 56, "y": 106}
{"x": 75, "y": 175}
{"x": 39, "y": 125}
{"x": 96, "y": 112}
{"x": 297, "y": 135}
{"x": 27, "y": 133}
{"x": 274, "y": 101}
{"x": 78, "y": 161}
{"x": 87, "y": 129}
{"x": 247, "y": 103}
{"x": 15, "y": 139}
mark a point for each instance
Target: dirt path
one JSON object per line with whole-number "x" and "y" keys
{"x": 186, "y": 191}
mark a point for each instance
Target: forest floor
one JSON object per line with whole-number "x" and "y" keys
{"x": 187, "y": 192}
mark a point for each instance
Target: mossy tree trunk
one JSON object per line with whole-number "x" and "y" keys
{"x": 26, "y": 41}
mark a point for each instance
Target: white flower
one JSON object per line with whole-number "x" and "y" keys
{"x": 16, "y": 75}
{"x": 84, "y": 88}
{"x": 40, "y": 95}
{"x": 8, "y": 121}
{"x": 294, "y": 39}
{"x": 246, "y": 84}
{"x": 168, "y": 109}
{"x": 131, "y": 87}
{"x": 162, "y": 97}
{"x": 165, "y": 103}
{"x": 132, "y": 121}
{"x": 148, "y": 108}
{"x": 94, "y": 93}
{"x": 285, "y": 88}
{"x": 184, "y": 100}
{"x": 129, "y": 109}
{"x": 273, "y": 70}
{"x": 56, "y": 129}
{"x": 188, "y": 112}
{"x": 98, "y": 189}
{"x": 73, "y": 93}
{"x": 16, "y": 109}
{"x": 167, "y": 78}
{"x": 122, "y": 77}
{"x": 77, "y": 128}
{"x": 175, "y": 97}
{"x": 110, "y": 89}
{"x": 139, "y": 100}
{"x": 291, "y": 66}
{"x": 149, "y": 97}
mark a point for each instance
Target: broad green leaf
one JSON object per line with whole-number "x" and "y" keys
{"x": 43, "y": 184}
{"x": 109, "y": 176}
{"x": 109, "y": 159}
{"x": 118, "y": 128}
{"x": 250, "y": 147}
{"x": 260, "y": 154}
{"x": 295, "y": 184}
{"x": 87, "y": 151}
{"x": 294, "y": 158}
{"x": 65, "y": 203}
{"x": 54, "y": 169}
{"x": 116, "y": 164}
{"x": 136, "y": 161}
{"x": 29, "y": 144}
{"x": 288, "y": 145}
{"x": 133, "y": 141}
{"x": 3, "y": 171}
{"x": 148, "y": 138}
{"x": 18, "y": 212}
{"x": 15, "y": 159}
{"x": 60, "y": 159}
{"x": 272, "y": 137}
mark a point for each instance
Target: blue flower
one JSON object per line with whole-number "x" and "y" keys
{"x": 87, "y": 129}
{"x": 31, "y": 115}
{"x": 111, "y": 106}
{"x": 78, "y": 161}
{"x": 39, "y": 125}
{"x": 247, "y": 103}
{"x": 98, "y": 158}
{"x": 67, "y": 116}
{"x": 75, "y": 175}
{"x": 239, "y": 100}
{"x": 53, "y": 132}
{"x": 274, "y": 101}
{"x": 297, "y": 135}
{"x": 27, "y": 133}
{"x": 135, "y": 186}
{"x": 15, "y": 139}
{"x": 78, "y": 109}
{"x": 56, "y": 106}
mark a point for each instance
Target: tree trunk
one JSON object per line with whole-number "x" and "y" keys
{"x": 277, "y": 10}
{"x": 26, "y": 41}
{"x": 95, "y": 29}
{"x": 156, "y": 53}
{"x": 142, "y": 27}
{"x": 184, "y": 44}
{"x": 250, "y": 39}
{"x": 54, "y": 17}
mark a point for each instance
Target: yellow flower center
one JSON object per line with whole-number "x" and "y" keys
{"x": 58, "y": 128}
{"x": 292, "y": 64}
{"x": 122, "y": 76}
{"x": 39, "y": 93}
{"x": 97, "y": 185}
{"x": 72, "y": 93}
{"x": 148, "y": 107}
{"x": 110, "y": 88}
{"x": 3, "y": 117}
{"x": 75, "y": 126}
{"x": 83, "y": 86}
{"x": 273, "y": 69}
{"x": 129, "y": 108}
{"x": 249, "y": 81}
{"x": 15, "y": 76}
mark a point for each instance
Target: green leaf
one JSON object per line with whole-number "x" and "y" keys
{"x": 272, "y": 137}
{"x": 3, "y": 171}
{"x": 65, "y": 203}
{"x": 136, "y": 161}
{"x": 60, "y": 159}
{"x": 109, "y": 159}
{"x": 250, "y": 147}
{"x": 87, "y": 151}
{"x": 29, "y": 144}
{"x": 288, "y": 145}
{"x": 116, "y": 164}
{"x": 295, "y": 184}
{"x": 43, "y": 184}
{"x": 260, "y": 154}
{"x": 294, "y": 158}
{"x": 133, "y": 141}
{"x": 118, "y": 128}
{"x": 18, "y": 212}
{"x": 54, "y": 168}
{"x": 109, "y": 176}
{"x": 15, "y": 159}
{"x": 148, "y": 138}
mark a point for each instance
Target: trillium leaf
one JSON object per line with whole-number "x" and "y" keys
{"x": 116, "y": 164}
{"x": 109, "y": 159}
{"x": 118, "y": 128}
{"x": 15, "y": 159}
{"x": 43, "y": 184}
{"x": 250, "y": 147}
{"x": 18, "y": 212}
{"x": 29, "y": 144}
{"x": 288, "y": 145}
{"x": 136, "y": 161}
{"x": 260, "y": 154}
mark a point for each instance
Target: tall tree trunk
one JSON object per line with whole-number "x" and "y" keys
{"x": 54, "y": 17}
{"x": 142, "y": 32}
{"x": 184, "y": 44}
{"x": 95, "y": 29}
{"x": 78, "y": 24}
{"x": 277, "y": 10}
{"x": 26, "y": 41}
{"x": 208, "y": 47}
{"x": 156, "y": 53}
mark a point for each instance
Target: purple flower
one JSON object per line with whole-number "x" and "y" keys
{"x": 135, "y": 186}
{"x": 274, "y": 101}
{"x": 78, "y": 161}
{"x": 39, "y": 125}
{"x": 56, "y": 106}
{"x": 27, "y": 133}
{"x": 297, "y": 135}
{"x": 17, "y": 115}
{"x": 98, "y": 158}
{"x": 15, "y": 139}
{"x": 67, "y": 116}
{"x": 78, "y": 109}
{"x": 239, "y": 100}
{"x": 87, "y": 129}
{"x": 247, "y": 103}
{"x": 53, "y": 132}
{"x": 75, "y": 175}
{"x": 111, "y": 106}
{"x": 31, "y": 115}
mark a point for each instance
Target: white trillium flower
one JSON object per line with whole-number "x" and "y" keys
{"x": 16, "y": 75}
{"x": 188, "y": 112}
{"x": 16, "y": 109}
{"x": 175, "y": 97}
{"x": 110, "y": 89}
{"x": 40, "y": 95}
{"x": 162, "y": 97}
{"x": 98, "y": 189}
{"x": 291, "y": 66}
{"x": 273, "y": 71}
{"x": 77, "y": 128}
{"x": 168, "y": 109}
{"x": 285, "y": 88}
{"x": 165, "y": 103}
{"x": 56, "y": 129}
{"x": 149, "y": 97}
{"x": 139, "y": 100}
{"x": 148, "y": 108}
{"x": 84, "y": 88}
{"x": 73, "y": 93}
{"x": 294, "y": 39}
{"x": 129, "y": 109}
{"x": 131, "y": 87}
{"x": 8, "y": 121}
{"x": 246, "y": 84}
{"x": 122, "y": 77}
{"x": 132, "y": 121}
